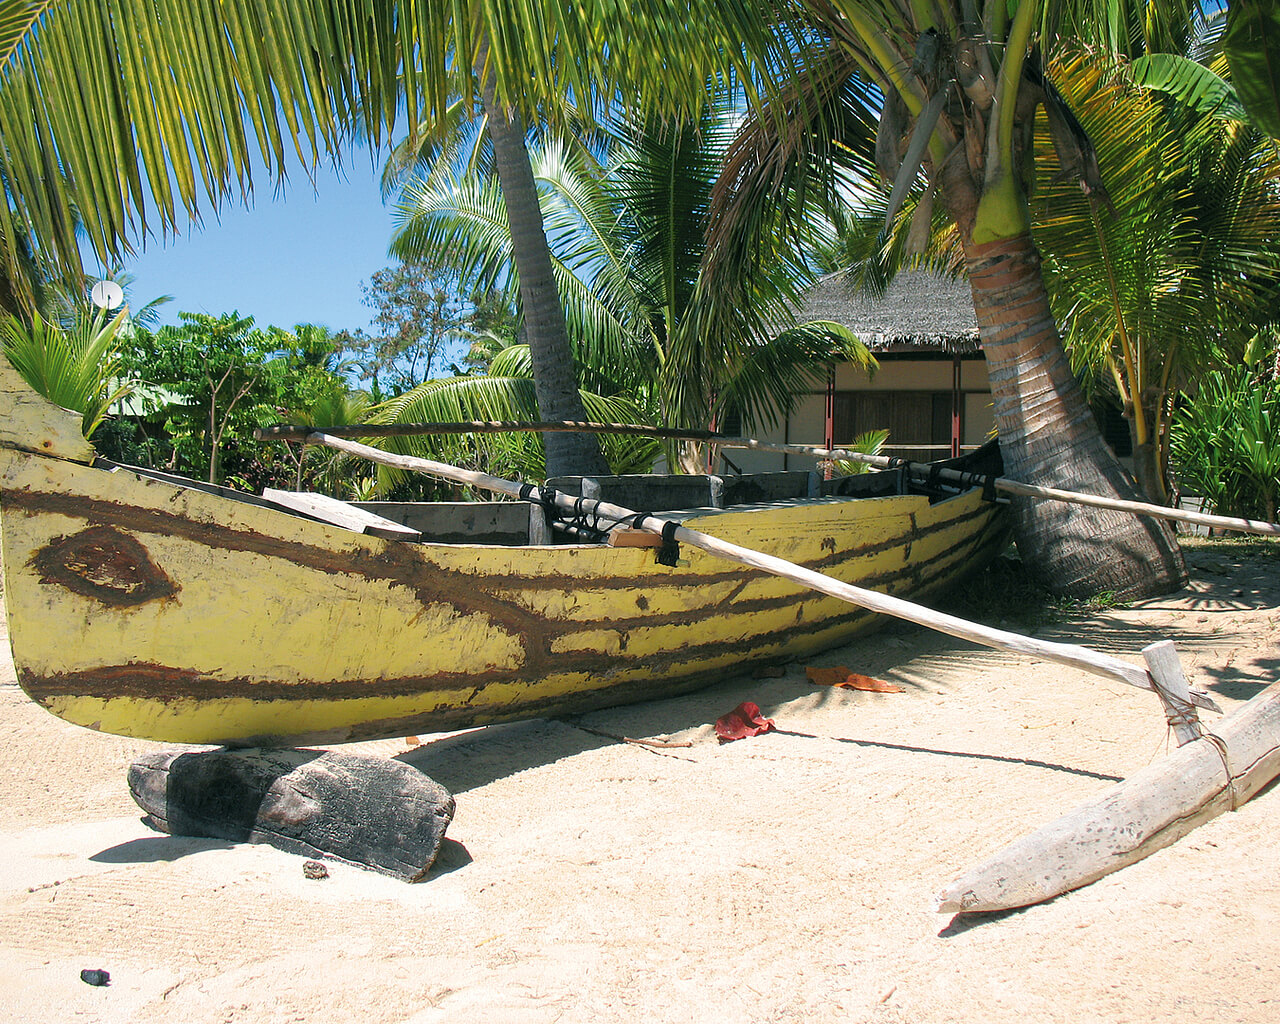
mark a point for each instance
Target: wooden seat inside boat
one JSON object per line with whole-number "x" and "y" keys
{"x": 526, "y": 523}
{"x": 505, "y": 523}
{"x": 508, "y": 523}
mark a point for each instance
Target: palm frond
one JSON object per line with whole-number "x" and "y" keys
{"x": 504, "y": 397}
{"x": 1190, "y": 83}
{"x": 764, "y": 385}
{"x": 109, "y": 122}
{"x": 78, "y": 369}
{"x": 1115, "y": 276}
{"x": 869, "y": 443}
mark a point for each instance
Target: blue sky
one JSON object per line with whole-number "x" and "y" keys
{"x": 296, "y": 258}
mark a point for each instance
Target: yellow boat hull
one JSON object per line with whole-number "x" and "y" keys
{"x": 147, "y": 609}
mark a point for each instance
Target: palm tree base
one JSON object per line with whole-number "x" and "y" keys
{"x": 1048, "y": 436}
{"x": 1081, "y": 552}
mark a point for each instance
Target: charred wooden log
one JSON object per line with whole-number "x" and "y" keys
{"x": 373, "y": 812}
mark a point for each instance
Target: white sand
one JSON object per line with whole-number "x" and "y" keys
{"x": 782, "y": 878}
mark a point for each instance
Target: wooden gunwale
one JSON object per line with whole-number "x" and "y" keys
{"x": 1003, "y": 484}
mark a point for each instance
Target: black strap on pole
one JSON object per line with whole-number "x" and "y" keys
{"x": 669, "y": 553}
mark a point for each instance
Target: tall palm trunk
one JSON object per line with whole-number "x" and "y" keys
{"x": 554, "y": 375}
{"x": 1049, "y": 436}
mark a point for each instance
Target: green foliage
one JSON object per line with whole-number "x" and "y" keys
{"x": 215, "y": 378}
{"x": 1252, "y": 45}
{"x": 1161, "y": 285}
{"x": 1192, "y": 83}
{"x": 869, "y": 443}
{"x": 221, "y": 365}
{"x": 77, "y": 368}
{"x": 493, "y": 326}
{"x": 626, "y": 226}
{"x": 124, "y": 118}
{"x": 323, "y": 400}
{"x": 125, "y": 440}
{"x": 1226, "y": 442}
{"x": 419, "y": 310}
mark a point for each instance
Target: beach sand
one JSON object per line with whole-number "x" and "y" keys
{"x": 785, "y": 877}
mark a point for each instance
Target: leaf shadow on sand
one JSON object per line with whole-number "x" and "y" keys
{"x": 1029, "y": 762}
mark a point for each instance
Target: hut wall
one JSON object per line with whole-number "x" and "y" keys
{"x": 898, "y": 374}
{"x": 907, "y": 390}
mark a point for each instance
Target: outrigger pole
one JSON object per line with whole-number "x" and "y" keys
{"x": 1118, "y": 828}
{"x": 1163, "y": 674}
{"x": 916, "y": 469}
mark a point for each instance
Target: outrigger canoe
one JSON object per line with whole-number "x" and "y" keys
{"x": 157, "y": 607}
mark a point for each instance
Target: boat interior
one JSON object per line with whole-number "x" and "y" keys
{"x": 523, "y": 523}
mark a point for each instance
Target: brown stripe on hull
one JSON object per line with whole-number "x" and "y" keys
{"x": 168, "y": 683}
{"x": 395, "y": 563}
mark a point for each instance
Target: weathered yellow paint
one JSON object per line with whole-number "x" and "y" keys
{"x": 32, "y": 422}
{"x": 255, "y": 601}
{"x": 282, "y": 629}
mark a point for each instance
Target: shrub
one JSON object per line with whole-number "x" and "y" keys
{"x": 1226, "y": 442}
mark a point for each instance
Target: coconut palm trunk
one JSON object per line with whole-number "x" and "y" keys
{"x": 961, "y": 85}
{"x": 555, "y": 379}
{"x": 1048, "y": 434}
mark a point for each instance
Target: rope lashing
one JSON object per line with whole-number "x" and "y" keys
{"x": 1221, "y": 747}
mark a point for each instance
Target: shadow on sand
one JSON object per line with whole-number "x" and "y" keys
{"x": 158, "y": 848}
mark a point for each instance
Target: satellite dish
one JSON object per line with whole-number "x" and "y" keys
{"x": 107, "y": 295}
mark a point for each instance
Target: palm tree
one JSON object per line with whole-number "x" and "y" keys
{"x": 626, "y": 240}
{"x": 1156, "y": 290}
{"x": 161, "y": 133}
{"x": 961, "y": 85}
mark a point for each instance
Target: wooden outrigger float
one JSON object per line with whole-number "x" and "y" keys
{"x": 1148, "y": 811}
{"x": 191, "y": 614}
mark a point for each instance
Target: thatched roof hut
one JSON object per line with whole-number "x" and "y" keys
{"x": 919, "y": 311}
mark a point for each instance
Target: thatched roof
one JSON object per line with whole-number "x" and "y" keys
{"x": 919, "y": 310}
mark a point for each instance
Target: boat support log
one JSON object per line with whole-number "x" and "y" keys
{"x": 1095, "y": 662}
